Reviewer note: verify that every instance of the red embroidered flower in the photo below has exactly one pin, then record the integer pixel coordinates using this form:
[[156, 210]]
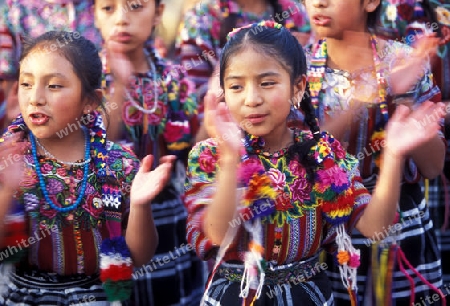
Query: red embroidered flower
[[338, 149], [405, 11], [247, 168], [79, 175], [283, 202], [131, 115], [207, 161], [175, 131], [301, 190]]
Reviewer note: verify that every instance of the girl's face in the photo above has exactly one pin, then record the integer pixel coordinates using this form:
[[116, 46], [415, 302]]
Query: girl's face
[[332, 18], [50, 94], [129, 23], [258, 92]]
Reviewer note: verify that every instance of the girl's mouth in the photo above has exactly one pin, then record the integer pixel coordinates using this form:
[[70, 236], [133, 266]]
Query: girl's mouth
[[321, 20], [39, 118]]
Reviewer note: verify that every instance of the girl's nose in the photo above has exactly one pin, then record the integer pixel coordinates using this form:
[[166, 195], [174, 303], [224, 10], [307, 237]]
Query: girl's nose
[[122, 15], [253, 97], [37, 96]]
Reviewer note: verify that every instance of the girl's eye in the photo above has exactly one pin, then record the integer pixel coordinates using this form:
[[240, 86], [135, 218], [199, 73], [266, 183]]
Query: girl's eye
[[107, 8], [136, 6], [267, 84], [235, 87], [25, 85], [55, 86]]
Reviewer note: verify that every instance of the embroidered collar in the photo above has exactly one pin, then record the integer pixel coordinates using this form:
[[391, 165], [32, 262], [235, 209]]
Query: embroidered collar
[[255, 145]]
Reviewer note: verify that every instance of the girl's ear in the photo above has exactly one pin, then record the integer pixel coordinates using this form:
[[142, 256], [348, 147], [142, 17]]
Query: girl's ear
[[92, 104], [372, 5], [299, 90], [158, 14]]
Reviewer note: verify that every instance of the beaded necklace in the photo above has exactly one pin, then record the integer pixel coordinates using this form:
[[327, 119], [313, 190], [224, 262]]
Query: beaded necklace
[[317, 73], [41, 177]]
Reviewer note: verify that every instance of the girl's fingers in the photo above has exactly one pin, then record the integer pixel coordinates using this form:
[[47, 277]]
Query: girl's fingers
[[400, 113], [147, 163]]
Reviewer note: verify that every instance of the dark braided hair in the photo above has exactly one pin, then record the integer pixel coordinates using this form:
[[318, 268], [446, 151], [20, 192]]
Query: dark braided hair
[[430, 15], [230, 22], [282, 46]]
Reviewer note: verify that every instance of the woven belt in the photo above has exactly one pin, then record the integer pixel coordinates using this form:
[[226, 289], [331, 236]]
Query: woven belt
[[40, 280], [293, 272]]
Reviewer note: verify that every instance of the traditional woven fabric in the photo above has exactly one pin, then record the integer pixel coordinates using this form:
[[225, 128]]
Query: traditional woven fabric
[[169, 130], [199, 41], [303, 223]]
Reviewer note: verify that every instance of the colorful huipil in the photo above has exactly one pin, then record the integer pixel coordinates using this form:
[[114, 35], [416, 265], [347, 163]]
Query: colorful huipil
[[333, 90], [199, 42], [297, 219], [166, 130], [75, 223]]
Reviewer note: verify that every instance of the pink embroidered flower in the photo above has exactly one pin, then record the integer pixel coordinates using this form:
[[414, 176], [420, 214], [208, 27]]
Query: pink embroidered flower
[[247, 168], [278, 178], [93, 206], [297, 169], [46, 168], [176, 130], [338, 149], [79, 175], [61, 172], [207, 160], [301, 190]]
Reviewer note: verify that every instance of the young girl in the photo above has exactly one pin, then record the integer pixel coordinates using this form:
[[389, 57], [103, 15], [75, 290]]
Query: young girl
[[152, 106], [206, 26], [275, 203], [352, 65], [69, 220], [22, 18]]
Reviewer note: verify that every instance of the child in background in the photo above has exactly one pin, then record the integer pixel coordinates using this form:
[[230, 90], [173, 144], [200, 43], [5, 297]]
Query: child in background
[[206, 26], [407, 21], [68, 219], [298, 192], [31, 18], [152, 106], [357, 80]]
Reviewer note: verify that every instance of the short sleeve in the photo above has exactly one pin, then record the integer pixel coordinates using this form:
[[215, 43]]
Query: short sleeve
[[344, 195], [200, 189], [124, 163]]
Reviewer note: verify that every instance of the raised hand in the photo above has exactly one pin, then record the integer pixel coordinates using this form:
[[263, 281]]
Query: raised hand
[[407, 130], [147, 184], [12, 165], [409, 69]]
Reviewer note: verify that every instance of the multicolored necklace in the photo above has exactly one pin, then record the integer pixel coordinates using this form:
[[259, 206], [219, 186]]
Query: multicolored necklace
[[317, 70], [41, 177], [255, 145], [316, 76]]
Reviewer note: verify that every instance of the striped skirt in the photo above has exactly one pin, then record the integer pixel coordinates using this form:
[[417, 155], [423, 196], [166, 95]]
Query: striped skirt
[[417, 240], [313, 292], [42, 289], [175, 275]]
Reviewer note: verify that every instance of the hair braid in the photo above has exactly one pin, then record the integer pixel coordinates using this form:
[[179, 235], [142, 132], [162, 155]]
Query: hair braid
[[310, 114]]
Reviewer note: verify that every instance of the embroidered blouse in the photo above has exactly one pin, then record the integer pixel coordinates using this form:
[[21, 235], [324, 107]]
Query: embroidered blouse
[[20, 18], [173, 120], [300, 226], [339, 87], [199, 41], [68, 243]]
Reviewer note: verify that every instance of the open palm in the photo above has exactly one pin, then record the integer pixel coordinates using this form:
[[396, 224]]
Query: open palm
[[408, 130], [12, 166], [147, 184]]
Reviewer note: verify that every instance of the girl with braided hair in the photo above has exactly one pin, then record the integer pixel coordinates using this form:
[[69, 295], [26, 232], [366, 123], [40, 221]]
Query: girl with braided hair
[[206, 26], [151, 108], [267, 199]]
